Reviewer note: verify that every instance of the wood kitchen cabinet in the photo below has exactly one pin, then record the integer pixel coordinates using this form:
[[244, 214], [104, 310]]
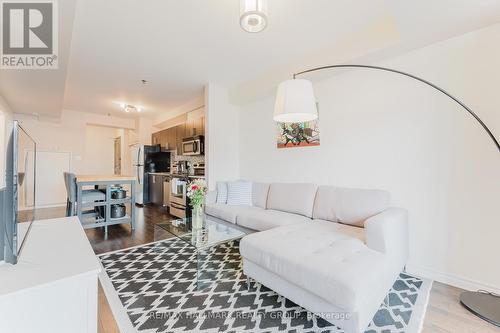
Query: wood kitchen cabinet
[[195, 126], [180, 134], [171, 138], [199, 126], [158, 138], [189, 127], [155, 138], [163, 139]]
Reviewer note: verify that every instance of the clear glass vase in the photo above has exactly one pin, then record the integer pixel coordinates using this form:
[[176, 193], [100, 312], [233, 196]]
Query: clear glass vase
[[197, 217]]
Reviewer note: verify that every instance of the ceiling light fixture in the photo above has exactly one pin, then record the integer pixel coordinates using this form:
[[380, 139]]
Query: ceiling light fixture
[[130, 108], [253, 15]]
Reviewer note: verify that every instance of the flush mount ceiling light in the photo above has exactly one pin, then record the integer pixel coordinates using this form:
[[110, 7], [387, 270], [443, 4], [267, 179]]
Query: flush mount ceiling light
[[253, 15], [130, 108]]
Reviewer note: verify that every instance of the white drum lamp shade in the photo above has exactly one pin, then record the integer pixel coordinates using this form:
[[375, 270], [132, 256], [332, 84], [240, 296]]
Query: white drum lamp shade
[[295, 102], [253, 15]]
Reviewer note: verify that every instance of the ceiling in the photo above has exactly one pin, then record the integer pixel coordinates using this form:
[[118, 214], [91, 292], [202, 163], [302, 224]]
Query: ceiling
[[180, 45]]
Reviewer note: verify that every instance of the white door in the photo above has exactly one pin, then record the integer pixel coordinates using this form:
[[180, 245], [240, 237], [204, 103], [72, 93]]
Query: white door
[[49, 186]]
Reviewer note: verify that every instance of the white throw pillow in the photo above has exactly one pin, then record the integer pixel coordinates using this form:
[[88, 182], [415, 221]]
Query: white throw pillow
[[239, 193], [221, 192], [259, 194]]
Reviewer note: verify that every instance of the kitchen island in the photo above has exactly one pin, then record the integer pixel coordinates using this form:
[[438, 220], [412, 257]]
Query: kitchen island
[[90, 219]]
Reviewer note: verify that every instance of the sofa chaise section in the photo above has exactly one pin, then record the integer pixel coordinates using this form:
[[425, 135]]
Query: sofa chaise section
[[321, 269]]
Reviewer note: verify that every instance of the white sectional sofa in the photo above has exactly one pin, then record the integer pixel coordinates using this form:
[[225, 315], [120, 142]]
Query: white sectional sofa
[[334, 251]]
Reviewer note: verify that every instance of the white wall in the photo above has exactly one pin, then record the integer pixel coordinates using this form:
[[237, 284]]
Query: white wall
[[99, 150], [126, 165], [380, 130], [221, 135], [80, 133], [91, 146], [144, 129]]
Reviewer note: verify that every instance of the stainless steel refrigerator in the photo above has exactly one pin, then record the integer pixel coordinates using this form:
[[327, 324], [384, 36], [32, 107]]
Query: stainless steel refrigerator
[[146, 159]]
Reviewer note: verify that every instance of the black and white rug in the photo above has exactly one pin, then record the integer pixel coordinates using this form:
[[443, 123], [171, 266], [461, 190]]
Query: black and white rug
[[152, 288]]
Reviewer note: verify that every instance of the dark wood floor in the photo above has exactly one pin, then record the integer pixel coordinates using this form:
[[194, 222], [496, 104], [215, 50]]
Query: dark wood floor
[[121, 236]]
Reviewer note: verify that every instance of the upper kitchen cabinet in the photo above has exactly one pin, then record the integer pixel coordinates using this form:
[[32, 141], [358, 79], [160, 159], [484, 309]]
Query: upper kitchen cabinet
[[195, 126], [163, 139], [199, 126], [180, 134], [189, 127], [172, 138], [159, 138], [155, 138]]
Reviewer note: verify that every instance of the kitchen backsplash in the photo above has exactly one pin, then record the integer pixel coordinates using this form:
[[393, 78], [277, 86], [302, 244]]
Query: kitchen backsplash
[[192, 159]]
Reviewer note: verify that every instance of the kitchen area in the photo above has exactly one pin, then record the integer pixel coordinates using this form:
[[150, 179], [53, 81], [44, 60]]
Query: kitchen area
[[165, 168]]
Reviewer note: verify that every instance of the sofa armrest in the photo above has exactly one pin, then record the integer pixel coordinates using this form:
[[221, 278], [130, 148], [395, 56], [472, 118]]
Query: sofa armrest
[[387, 232], [210, 197]]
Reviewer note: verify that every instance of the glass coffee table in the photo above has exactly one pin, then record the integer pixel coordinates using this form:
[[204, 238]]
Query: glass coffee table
[[203, 240]]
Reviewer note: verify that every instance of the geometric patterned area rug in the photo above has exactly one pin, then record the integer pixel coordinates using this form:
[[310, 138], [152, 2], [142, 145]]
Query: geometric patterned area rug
[[152, 288]]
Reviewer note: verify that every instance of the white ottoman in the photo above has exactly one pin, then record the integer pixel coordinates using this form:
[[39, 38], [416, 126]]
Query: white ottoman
[[323, 269]]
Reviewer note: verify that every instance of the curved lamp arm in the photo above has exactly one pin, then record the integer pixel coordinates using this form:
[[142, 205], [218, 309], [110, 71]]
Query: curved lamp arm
[[416, 78]]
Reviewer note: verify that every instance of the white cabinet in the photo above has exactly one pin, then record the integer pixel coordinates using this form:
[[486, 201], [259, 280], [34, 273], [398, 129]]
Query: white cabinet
[[53, 288]]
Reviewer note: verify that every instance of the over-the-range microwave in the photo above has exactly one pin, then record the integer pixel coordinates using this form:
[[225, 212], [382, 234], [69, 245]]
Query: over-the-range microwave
[[194, 145]]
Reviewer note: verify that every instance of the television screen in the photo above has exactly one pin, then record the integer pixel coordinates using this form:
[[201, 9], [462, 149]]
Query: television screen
[[19, 199]]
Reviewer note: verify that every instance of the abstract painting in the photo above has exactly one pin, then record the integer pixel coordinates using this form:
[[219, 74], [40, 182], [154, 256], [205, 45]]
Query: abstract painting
[[293, 135]]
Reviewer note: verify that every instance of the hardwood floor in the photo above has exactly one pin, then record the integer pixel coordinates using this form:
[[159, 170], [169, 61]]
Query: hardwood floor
[[106, 321], [120, 236], [444, 312]]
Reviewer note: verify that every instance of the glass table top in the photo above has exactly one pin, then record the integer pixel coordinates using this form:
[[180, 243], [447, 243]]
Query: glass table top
[[210, 233]]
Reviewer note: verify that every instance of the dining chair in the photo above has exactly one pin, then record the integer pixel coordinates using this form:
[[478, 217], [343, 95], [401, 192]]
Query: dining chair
[[87, 195]]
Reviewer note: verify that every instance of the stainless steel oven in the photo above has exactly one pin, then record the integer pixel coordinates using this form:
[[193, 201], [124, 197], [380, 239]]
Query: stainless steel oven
[[194, 145], [178, 199]]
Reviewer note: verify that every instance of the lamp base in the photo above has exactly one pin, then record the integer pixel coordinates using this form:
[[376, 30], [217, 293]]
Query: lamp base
[[483, 305]]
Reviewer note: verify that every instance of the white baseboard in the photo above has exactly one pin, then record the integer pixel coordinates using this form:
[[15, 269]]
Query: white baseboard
[[42, 207], [450, 279], [51, 206]]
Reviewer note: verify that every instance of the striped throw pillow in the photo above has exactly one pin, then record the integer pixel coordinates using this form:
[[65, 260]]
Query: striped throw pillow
[[239, 193], [221, 192]]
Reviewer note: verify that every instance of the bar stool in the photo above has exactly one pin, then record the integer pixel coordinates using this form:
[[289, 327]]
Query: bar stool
[[87, 195]]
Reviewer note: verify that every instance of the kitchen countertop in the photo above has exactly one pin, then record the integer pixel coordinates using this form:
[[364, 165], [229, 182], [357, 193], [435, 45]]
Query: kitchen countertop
[[103, 178], [175, 175]]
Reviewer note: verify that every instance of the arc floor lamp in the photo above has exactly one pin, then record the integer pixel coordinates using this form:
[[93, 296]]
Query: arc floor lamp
[[295, 102]]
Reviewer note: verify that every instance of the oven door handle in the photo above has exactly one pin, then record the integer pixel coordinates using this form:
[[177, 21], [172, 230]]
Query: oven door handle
[[176, 205]]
